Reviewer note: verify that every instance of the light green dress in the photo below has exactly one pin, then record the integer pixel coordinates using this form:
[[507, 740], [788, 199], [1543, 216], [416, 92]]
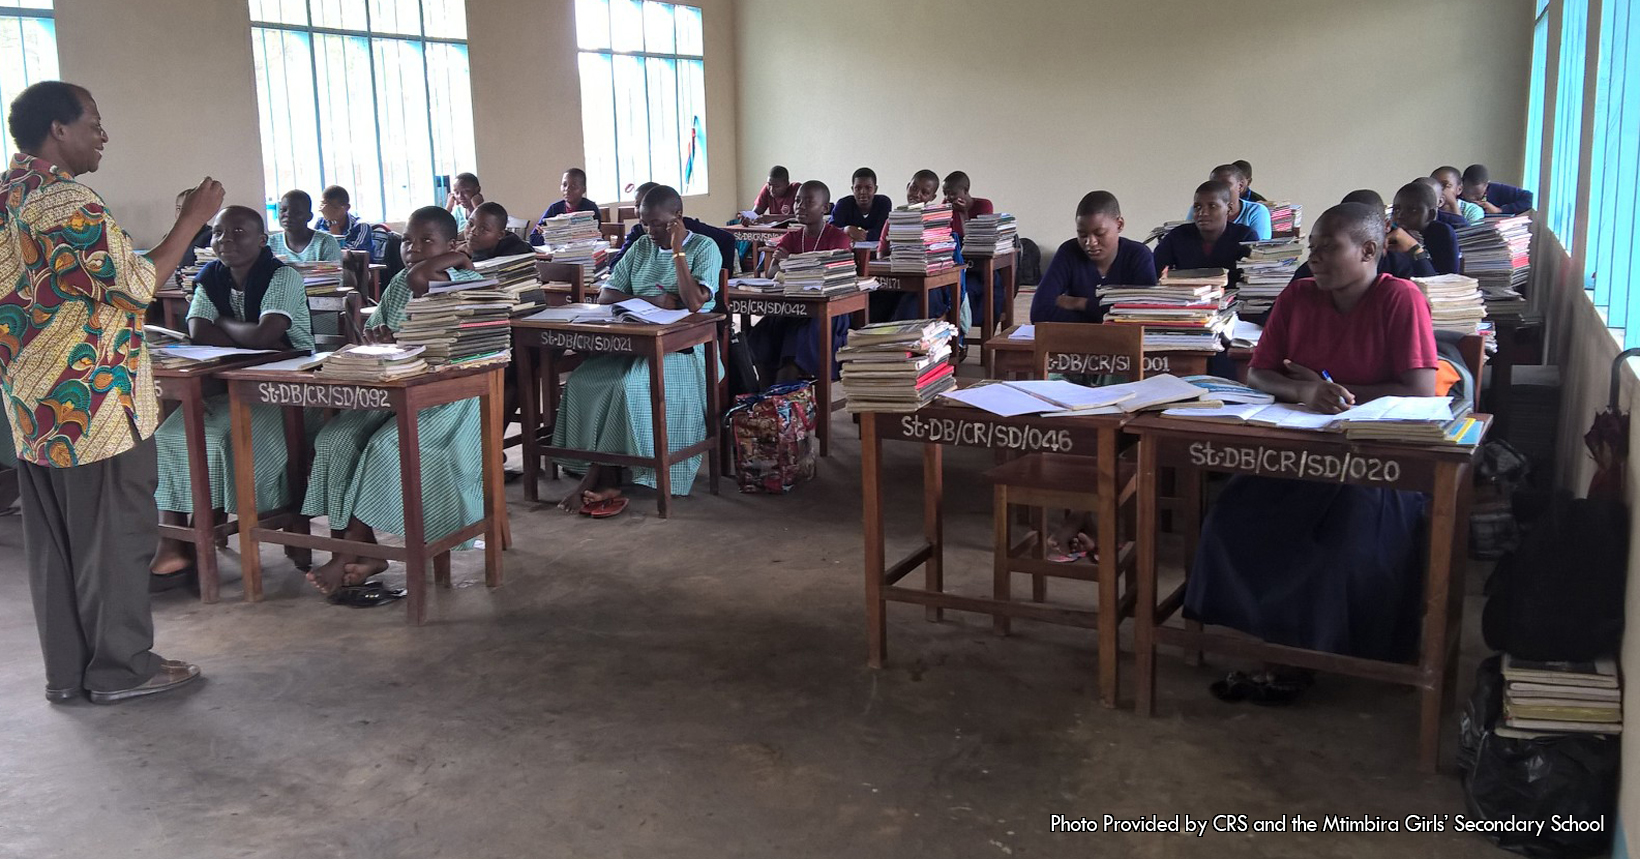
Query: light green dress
[[323, 248], [285, 297], [356, 455], [606, 403]]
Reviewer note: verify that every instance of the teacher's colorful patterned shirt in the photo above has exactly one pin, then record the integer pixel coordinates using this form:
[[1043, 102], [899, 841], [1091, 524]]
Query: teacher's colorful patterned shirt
[[75, 377]]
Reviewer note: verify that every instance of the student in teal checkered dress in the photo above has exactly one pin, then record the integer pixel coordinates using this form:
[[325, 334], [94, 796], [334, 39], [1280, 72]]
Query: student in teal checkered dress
[[300, 242], [248, 299], [606, 403], [355, 478]]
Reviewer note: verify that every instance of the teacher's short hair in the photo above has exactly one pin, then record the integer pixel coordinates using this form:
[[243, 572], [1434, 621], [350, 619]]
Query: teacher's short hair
[[37, 107]]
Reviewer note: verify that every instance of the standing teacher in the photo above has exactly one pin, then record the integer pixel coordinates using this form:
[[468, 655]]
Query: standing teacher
[[79, 392]]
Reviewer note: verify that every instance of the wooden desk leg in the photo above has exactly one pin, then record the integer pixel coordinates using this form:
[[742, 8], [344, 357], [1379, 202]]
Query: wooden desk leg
[[871, 506], [954, 315], [1192, 492], [496, 533], [199, 489], [529, 419], [415, 530], [1010, 290], [988, 323], [441, 568], [934, 524], [1001, 555], [1110, 619], [296, 472], [922, 300], [657, 409], [244, 479], [1144, 607], [825, 368], [1432, 666], [714, 417], [546, 370]]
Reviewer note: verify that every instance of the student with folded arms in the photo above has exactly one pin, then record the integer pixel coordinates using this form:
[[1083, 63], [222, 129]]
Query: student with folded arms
[[1414, 215], [488, 236], [864, 213], [1451, 188], [1210, 240], [1495, 198]]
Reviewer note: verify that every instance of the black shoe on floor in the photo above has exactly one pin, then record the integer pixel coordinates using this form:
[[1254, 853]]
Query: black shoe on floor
[[159, 583], [171, 674], [63, 696]]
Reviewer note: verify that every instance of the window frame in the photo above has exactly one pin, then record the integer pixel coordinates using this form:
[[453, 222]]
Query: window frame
[[8, 11]]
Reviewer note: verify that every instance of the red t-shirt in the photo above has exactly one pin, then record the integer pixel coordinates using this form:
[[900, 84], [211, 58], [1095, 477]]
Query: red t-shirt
[[768, 203], [1386, 334], [976, 206], [831, 239]]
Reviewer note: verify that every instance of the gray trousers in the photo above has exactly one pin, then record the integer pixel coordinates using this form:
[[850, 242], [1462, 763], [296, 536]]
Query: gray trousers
[[88, 536]]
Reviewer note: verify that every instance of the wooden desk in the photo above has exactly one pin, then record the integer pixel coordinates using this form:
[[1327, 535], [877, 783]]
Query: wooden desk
[[1204, 446], [547, 271], [1009, 358], [173, 303], [188, 387], [985, 267], [862, 260], [760, 235], [922, 284], [405, 398], [823, 308], [651, 342], [937, 425]]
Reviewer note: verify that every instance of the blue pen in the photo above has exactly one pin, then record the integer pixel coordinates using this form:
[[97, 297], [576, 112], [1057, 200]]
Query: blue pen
[[1328, 376]]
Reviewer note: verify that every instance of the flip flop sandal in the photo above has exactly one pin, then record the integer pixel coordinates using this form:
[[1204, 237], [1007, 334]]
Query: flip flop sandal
[[605, 508], [159, 583], [1067, 557], [1235, 687], [367, 595], [1278, 689]]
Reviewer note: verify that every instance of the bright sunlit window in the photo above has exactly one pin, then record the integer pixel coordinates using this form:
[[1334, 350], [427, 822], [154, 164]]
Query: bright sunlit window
[[28, 50]]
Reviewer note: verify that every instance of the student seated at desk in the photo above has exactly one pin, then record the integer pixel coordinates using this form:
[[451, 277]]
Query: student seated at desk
[[1097, 256], [337, 219], [1249, 213], [964, 205], [864, 213], [1210, 240], [201, 239], [1452, 201], [1401, 264], [1247, 170], [923, 188], [1451, 219], [299, 242], [776, 200], [355, 477], [465, 196], [783, 346], [248, 299], [488, 236], [722, 238], [573, 187], [1495, 198], [606, 405], [1324, 566], [1414, 216]]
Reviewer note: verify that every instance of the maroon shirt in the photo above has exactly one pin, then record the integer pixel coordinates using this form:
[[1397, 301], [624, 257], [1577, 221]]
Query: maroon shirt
[[769, 204], [976, 206], [1385, 335], [831, 239]]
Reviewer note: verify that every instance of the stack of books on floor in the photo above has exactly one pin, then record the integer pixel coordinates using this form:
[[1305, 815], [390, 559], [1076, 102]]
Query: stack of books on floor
[[1164, 229], [1265, 272], [515, 275], [1285, 217], [461, 324], [1497, 252], [819, 273], [920, 240], [383, 363], [1187, 311], [1543, 699], [320, 278], [989, 235], [897, 366], [1454, 302]]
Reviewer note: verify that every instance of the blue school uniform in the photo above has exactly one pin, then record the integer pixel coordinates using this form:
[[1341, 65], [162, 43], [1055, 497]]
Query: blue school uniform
[[1442, 243], [1182, 248], [561, 208], [722, 238], [1510, 199], [1253, 214], [354, 237], [846, 213], [1072, 272], [1451, 219]]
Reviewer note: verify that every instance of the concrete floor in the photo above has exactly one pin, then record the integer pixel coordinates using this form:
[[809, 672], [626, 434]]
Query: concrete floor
[[692, 687]]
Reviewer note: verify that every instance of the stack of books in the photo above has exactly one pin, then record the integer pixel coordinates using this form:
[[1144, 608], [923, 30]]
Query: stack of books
[[591, 255], [897, 366], [1411, 420], [1544, 699], [1164, 229], [1454, 303], [515, 275], [1265, 272], [1285, 217], [920, 240], [989, 235], [819, 273], [383, 363], [320, 278], [765, 285], [462, 323], [569, 227], [1188, 311], [1497, 252]]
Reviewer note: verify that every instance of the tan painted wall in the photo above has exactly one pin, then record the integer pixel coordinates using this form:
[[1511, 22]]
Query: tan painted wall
[[1041, 101], [175, 83]]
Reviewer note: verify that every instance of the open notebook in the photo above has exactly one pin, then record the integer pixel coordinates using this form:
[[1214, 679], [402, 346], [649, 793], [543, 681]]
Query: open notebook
[[631, 310]]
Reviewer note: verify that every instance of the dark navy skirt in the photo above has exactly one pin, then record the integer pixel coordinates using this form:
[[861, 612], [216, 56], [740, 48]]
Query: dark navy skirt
[[1328, 567]]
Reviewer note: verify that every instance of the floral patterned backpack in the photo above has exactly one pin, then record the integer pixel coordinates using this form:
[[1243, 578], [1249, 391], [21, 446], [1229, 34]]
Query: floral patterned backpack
[[772, 435]]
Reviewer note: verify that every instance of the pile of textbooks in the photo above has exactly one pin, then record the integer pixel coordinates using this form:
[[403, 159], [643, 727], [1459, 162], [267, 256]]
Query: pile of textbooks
[[320, 278], [920, 240], [515, 275], [897, 366], [1497, 252], [1267, 269], [1285, 217], [1548, 698], [383, 363], [569, 227], [1411, 420], [460, 323], [819, 273], [989, 235], [1188, 311], [1454, 303], [1165, 228]]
